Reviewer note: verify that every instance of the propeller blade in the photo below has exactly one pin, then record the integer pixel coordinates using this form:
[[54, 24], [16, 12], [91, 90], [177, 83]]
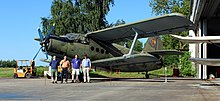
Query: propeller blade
[[45, 52], [46, 55], [40, 34], [50, 32], [37, 53]]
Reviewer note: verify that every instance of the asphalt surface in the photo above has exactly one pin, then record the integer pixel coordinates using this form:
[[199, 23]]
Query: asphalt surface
[[176, 89]]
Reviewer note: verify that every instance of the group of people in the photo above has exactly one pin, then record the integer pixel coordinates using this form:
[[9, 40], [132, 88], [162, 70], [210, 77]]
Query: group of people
[[77, 67]]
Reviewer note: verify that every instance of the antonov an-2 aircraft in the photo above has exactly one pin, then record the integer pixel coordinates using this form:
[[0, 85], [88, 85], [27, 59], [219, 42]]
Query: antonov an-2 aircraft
[[202, 39], [101, 48]]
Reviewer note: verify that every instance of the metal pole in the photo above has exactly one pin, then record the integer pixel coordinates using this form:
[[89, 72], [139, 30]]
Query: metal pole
[[165, 72]]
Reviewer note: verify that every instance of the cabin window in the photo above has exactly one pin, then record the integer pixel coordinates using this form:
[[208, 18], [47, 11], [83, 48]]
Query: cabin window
[[102, 51], [97, 49], [92, 48]]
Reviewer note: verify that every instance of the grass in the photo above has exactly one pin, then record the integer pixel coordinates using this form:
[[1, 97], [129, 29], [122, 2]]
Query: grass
[[118, 75], [8, 73], [155, 73]]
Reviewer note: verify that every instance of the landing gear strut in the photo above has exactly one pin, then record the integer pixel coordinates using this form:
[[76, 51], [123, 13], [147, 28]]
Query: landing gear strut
[[146, 75]]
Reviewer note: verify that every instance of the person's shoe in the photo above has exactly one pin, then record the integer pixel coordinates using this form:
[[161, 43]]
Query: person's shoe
[[72, 81], [55, 82]]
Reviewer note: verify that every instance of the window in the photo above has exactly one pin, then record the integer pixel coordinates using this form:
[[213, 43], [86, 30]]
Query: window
[[92, 48], [102, 51], [97, 49]]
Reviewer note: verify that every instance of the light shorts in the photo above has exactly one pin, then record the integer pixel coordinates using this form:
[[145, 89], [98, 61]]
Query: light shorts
[[53, 72], [75, 71]]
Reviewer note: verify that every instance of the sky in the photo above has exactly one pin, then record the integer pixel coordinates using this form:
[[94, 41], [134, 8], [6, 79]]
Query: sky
[[19, 21]]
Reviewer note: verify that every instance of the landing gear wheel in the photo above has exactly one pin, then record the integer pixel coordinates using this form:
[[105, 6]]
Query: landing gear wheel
[[146, 76], [28, 75]]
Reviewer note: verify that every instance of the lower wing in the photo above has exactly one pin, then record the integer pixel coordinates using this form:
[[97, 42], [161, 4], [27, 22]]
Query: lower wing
[[126, 60], [205, 61]]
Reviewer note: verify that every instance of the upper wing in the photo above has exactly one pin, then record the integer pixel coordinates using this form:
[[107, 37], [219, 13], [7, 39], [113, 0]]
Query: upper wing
[[165, 24], [206, 39], [125, 60], [205, 61]]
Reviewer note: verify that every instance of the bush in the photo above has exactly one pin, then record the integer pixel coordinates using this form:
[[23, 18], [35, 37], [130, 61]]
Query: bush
[[40, 70], [186, 65]]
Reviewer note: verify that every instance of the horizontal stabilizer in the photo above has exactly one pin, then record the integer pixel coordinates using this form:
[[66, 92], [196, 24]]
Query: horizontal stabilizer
[[204, 39], [37, 39], [206, 61], [166, 52], [45, 60]]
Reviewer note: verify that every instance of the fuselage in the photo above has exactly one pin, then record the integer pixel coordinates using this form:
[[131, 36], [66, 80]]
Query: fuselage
[[91, 49]]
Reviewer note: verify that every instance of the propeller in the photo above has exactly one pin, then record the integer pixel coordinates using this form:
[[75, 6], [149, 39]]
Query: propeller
[[37, 53], [44, 41]]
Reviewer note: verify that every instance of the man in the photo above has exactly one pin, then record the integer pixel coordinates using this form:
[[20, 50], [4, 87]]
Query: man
[[76, 64], [65, 64], [53, 64], [86, 64]]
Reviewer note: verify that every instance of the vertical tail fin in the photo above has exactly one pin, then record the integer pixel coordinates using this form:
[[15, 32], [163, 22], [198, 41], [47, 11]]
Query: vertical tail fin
[[153, 43]]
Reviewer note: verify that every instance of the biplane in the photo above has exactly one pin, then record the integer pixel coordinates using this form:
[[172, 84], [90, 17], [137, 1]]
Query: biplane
[[100, 46]]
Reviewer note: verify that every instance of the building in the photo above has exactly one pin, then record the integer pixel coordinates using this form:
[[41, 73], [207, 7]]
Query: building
[[205, 14]]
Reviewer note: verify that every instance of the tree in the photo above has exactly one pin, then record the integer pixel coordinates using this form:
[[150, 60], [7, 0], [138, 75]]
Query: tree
[[77, 16], [7, 63], [81, 16], [160, 7]]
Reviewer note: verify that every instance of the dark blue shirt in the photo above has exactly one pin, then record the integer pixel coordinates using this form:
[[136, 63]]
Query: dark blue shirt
[[54, 64], [76, 63]]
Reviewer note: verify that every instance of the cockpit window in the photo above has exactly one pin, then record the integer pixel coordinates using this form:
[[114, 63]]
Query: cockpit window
[[78, 38]]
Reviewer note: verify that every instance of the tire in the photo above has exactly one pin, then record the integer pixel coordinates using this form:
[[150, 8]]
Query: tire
[[48, 77], [28, 75], [15, 76], [147, 76]]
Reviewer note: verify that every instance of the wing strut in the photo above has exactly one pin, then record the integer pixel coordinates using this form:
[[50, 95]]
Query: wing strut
[[133, 43]]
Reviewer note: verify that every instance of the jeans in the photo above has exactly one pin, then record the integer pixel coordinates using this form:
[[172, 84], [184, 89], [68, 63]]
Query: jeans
[[64, 72]]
